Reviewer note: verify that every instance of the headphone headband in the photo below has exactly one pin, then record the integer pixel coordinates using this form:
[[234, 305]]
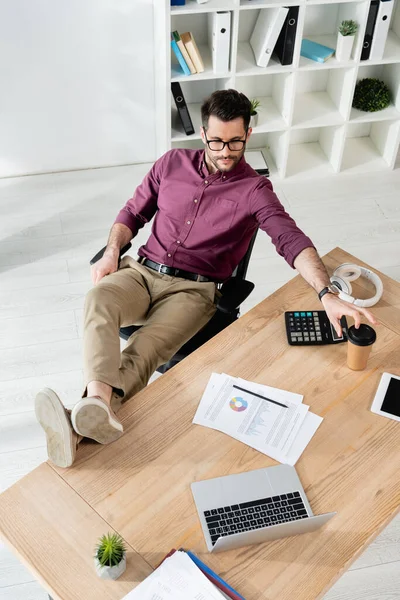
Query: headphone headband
[[344, 274]]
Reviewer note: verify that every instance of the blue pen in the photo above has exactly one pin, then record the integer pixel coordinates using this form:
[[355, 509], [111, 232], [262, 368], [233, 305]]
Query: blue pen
[[206, 569]]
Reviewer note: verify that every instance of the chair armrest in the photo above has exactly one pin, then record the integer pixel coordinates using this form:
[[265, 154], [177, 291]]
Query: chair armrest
[[234, 292], [100, 253]]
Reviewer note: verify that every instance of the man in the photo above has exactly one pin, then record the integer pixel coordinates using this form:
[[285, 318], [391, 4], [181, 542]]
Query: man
[[206, 206]]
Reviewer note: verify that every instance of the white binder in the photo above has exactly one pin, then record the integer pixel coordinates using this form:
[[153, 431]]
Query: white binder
[[266, 32], [220, 40], [381, 29]]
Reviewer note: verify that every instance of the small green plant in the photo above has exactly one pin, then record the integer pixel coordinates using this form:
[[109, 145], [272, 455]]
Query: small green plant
[[371, 95], [110, 550], [254, 105], [348, 27]]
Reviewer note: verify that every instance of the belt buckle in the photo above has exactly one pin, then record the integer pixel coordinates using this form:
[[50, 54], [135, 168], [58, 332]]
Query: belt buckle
[[159, 268]]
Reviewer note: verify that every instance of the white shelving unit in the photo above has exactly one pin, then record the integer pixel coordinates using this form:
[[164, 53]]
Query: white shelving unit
[[306, 121]]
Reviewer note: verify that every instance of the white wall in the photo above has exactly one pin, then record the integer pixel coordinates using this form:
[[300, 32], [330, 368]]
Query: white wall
[[76, 84]]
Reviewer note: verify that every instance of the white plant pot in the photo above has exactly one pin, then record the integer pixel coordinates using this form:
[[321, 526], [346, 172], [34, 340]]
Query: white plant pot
[[110, 572], [254, 120], [344, 47]]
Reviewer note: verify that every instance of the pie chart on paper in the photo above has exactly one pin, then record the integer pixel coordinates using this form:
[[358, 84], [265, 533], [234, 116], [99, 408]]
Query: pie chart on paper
[[238, 404]]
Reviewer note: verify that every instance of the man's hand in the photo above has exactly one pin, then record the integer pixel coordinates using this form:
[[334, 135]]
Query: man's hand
[[107, 264], [336, 308]]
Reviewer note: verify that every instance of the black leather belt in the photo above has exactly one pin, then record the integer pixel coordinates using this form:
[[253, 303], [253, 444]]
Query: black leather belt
[[166, 270]]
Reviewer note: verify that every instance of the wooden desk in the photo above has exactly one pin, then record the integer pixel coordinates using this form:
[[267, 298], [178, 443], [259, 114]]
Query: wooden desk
[[140, 485]]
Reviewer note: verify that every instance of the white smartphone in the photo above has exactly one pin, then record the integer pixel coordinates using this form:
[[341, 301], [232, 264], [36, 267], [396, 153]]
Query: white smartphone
[[387, 397]]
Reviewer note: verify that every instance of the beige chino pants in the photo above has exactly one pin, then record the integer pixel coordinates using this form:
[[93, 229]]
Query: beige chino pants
[[170, 309]]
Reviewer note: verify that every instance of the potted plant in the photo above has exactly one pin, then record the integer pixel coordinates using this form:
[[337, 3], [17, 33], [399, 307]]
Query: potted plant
[[371, 94], [347, 31], [110, 557], [253, 112]]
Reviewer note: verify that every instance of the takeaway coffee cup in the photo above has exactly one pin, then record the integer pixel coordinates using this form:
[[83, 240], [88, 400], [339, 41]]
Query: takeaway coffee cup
[[359, 346]]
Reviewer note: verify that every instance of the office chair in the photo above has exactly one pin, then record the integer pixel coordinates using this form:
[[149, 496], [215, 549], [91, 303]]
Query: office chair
[[233, 292]]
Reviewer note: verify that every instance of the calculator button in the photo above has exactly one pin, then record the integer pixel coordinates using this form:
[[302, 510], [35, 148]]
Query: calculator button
[[303, 314], [296, 314], [315, 314], [309, 314], [319, 338]]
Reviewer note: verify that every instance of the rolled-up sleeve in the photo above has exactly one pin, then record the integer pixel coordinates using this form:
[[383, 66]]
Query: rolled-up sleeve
[[141, 208], [288, 239]]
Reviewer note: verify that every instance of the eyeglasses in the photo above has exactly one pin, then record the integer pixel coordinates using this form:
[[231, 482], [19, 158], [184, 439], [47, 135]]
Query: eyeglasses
[[218, 145]]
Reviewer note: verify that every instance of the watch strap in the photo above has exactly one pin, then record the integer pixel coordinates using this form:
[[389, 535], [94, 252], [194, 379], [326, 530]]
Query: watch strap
[[324, 291]]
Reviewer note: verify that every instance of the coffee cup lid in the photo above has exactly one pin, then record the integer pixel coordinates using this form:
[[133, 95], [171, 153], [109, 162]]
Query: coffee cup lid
[[363, 336]]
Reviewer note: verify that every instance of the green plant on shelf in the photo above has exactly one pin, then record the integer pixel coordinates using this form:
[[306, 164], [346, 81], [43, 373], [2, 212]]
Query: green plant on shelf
[[348, 28], [371, 95], [254, 105], [110, 550]]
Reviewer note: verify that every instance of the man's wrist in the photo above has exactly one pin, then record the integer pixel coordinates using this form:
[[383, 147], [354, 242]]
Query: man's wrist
[[328, 289], [112, 252]]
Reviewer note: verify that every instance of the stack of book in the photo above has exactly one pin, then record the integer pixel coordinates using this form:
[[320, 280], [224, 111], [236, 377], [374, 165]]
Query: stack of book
[[182, 576], [187, 52]]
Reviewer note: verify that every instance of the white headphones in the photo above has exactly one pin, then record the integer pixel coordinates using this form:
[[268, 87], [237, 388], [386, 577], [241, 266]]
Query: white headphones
[[347, 272]]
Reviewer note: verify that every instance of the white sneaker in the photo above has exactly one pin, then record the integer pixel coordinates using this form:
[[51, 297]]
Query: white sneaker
[[92, 418], [62, 440]]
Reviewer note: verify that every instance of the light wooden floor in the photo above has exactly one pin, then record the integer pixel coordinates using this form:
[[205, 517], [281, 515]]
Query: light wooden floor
[[50, 226]]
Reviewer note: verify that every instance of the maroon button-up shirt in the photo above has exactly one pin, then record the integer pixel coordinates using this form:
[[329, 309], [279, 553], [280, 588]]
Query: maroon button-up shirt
[[204, 222]]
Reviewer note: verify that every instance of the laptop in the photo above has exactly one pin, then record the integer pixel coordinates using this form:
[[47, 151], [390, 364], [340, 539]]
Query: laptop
[[254, 507]]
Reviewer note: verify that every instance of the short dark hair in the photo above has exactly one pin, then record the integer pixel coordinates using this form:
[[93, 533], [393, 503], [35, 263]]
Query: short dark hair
[[226, 105]]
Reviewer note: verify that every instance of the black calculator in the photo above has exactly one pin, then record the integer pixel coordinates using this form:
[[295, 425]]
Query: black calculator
[[312, 328]]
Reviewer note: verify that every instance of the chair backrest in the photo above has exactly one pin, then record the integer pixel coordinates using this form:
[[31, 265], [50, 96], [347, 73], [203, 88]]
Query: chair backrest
[[241, 270]]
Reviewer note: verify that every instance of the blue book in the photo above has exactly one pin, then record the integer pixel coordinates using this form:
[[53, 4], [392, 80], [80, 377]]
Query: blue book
[[315, 51], [178, 2], [227, 589], [179, 56]]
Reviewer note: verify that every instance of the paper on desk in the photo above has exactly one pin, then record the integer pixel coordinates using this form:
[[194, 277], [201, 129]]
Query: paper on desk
[[177, 578], [260, 423]]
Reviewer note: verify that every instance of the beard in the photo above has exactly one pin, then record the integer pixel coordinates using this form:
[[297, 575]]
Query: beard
[[217, 161]]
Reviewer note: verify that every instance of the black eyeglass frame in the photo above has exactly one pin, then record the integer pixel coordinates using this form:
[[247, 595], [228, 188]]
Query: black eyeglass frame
[[208, 142]]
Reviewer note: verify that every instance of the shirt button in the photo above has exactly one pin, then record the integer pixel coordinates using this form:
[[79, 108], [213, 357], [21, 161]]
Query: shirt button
[[169, 255], [223, 177], [195, 200], [177, 241], [188, 222], [206, 182]]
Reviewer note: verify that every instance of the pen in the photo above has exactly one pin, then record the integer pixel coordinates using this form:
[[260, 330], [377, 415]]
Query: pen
[[258, 396]]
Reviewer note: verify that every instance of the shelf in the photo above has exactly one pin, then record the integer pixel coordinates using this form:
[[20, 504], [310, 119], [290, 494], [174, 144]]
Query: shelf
[[370, 146], [306, 123], [322, 97], [360, 116], [318, 150], [191, 7], [332, 62], [208, 73], [253, 4]]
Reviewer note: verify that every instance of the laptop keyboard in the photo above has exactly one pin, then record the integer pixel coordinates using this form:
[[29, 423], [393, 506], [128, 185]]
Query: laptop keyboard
[[257, 514]]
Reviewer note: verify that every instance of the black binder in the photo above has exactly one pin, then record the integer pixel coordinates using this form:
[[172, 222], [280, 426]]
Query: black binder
[[369, 30], [284, 46], [183, 111]]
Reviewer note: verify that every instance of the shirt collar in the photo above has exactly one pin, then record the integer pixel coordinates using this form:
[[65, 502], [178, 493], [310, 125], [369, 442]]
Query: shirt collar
[[240, 168]]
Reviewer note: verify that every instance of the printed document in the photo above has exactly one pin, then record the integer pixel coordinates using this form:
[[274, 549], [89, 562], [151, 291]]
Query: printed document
[[177, 578], [271, 420]]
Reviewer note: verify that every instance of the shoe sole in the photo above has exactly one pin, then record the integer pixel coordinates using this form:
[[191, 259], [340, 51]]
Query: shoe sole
[[91, 418], [54, 419]]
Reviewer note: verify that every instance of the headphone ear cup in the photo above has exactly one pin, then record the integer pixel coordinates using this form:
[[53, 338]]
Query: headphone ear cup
[[348, 272], [344, 286]]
